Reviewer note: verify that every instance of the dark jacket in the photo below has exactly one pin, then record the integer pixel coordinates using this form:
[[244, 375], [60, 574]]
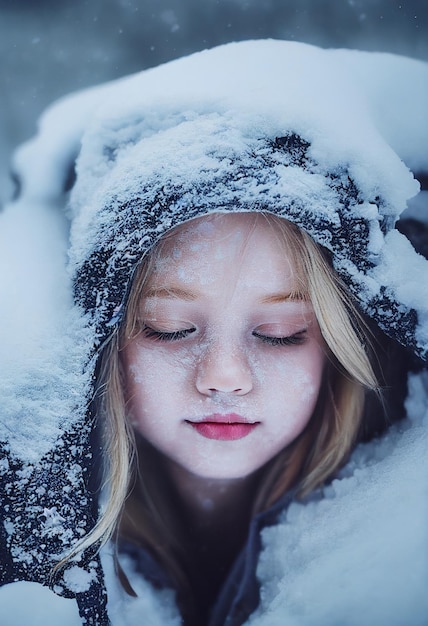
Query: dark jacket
[[239, 595]]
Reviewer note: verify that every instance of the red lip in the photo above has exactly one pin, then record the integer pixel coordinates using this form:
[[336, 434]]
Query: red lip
[[224, 427]]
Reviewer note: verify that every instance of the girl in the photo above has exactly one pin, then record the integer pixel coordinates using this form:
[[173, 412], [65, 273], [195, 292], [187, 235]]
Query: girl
[[257, 401], [232, 261]]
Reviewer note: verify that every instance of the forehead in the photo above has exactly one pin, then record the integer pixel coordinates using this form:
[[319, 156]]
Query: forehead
[[229, 247], [219, 233]]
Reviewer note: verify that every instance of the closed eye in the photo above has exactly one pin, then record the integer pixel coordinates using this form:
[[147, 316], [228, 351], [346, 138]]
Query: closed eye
[[161, 335], [291, 340]]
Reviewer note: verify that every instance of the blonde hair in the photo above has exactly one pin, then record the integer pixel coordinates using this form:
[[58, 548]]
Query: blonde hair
[[306, 464]]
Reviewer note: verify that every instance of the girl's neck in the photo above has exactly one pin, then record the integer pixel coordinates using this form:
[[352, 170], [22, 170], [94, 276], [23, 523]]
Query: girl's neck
[[215, 516], [208, 503]]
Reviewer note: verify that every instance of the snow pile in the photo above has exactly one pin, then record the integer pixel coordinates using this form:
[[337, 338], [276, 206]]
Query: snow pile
[[396, 89], [360, 554], [267, 86], [47, 396], [25, 603], [156, 607], [42, 342]]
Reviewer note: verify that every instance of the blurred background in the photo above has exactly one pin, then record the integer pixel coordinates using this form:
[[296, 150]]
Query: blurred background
[[49, 48]]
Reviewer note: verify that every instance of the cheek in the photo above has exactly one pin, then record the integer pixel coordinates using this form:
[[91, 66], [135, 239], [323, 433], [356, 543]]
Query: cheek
[[293, 382], [155, 381], [305, 379], [147, 368]]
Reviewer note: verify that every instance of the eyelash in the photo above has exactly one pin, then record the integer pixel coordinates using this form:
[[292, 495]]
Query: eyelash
[[159, 335], [291, 340]]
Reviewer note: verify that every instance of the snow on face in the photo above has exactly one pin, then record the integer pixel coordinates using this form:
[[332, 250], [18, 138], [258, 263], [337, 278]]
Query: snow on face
[[223, 340]]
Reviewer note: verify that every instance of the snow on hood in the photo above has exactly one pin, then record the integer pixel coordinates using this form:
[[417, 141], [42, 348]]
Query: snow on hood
[[155, 149], [275, 127]]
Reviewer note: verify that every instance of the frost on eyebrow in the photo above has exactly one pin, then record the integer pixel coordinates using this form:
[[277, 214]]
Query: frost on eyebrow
[[171, 292], [293, 296]]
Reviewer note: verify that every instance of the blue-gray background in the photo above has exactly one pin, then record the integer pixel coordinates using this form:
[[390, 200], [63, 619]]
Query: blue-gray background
[[51, 47]]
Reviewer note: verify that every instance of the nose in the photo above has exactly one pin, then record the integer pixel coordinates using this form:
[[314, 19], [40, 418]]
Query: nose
[[224, 369]]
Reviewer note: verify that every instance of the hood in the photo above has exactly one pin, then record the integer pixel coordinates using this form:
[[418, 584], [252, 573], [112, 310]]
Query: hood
[[256, 126], [249, 140]]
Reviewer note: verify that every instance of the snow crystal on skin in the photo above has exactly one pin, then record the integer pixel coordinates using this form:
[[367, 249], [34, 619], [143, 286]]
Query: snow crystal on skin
[[355, 556], [137, 375]]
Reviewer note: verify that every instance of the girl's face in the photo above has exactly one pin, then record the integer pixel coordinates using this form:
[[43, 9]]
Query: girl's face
[[227, 368]]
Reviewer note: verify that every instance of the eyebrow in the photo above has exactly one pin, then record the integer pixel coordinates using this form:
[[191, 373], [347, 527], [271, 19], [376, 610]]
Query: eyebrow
[[171, 292], [293, 296]]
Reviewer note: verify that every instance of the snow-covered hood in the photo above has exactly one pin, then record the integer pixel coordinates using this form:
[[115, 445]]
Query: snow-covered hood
[[266, 125], [165, 151]]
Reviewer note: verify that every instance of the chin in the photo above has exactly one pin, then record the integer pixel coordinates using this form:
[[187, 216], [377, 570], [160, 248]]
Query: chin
[[224, 472]]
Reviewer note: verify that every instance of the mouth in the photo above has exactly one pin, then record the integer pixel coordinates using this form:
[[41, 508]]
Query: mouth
[[223, 427]]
